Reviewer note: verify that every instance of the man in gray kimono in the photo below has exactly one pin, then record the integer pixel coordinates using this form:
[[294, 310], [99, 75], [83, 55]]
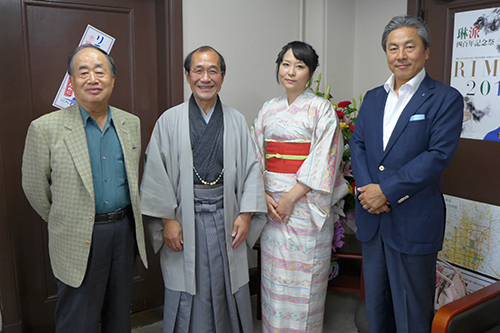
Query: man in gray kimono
[[203, 199]]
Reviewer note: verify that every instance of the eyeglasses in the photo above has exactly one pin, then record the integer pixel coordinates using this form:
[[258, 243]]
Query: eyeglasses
[[212, 72]]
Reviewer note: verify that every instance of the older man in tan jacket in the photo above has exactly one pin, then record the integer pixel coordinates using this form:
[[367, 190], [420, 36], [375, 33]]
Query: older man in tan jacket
[[80, 173]]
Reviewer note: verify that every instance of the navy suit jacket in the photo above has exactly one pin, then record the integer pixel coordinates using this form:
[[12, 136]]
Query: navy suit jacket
[[409, 169]]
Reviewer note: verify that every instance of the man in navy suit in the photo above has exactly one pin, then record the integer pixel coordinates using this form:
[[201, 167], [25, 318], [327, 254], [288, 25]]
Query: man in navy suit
[[406, 134]]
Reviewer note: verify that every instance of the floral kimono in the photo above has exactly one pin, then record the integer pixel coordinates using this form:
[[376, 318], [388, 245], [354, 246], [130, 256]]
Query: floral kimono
[[296, 256]]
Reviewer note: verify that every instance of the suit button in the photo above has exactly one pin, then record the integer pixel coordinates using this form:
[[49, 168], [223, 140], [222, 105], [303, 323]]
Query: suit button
[[381, 168], [91, 218], [87, 242]]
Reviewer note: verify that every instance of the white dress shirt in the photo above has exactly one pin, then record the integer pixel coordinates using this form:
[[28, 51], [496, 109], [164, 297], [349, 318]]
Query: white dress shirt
[[395, 104]]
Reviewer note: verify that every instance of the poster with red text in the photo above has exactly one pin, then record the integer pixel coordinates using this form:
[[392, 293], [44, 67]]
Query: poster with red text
[[475, 71], [96, 37]]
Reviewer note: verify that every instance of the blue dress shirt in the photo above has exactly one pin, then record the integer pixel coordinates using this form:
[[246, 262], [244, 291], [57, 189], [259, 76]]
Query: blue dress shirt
[[108, 166]]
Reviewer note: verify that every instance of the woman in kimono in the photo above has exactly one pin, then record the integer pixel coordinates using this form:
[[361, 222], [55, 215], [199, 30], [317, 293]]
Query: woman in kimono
[[299, 144]]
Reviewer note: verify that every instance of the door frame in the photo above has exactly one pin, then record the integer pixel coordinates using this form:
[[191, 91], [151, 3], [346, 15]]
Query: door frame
[[169, 37]]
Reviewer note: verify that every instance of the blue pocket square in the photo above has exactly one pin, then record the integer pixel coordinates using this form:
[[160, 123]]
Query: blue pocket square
[[417, 117]]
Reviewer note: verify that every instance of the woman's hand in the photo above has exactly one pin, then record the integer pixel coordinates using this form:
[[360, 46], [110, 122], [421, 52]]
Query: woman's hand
[[285, 208], [271, 209], [286, 203], [172, 234]]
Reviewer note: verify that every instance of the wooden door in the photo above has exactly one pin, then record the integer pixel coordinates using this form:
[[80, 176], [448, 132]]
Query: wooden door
[[472, 173], [36, 37]]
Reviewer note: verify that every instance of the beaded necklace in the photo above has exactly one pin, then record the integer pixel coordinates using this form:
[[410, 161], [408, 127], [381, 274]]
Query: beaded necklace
[[205, 182]]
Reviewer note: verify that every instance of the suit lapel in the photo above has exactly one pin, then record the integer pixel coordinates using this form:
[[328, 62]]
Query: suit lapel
[[378, 119], [76, 141], [424, 91]]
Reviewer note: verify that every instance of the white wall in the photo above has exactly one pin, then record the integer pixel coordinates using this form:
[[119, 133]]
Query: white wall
[[370, 69], [339, 61], [329, 27], [249, 34], [347, 36]]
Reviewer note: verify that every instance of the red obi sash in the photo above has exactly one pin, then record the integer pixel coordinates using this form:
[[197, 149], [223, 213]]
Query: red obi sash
[[286, 157]]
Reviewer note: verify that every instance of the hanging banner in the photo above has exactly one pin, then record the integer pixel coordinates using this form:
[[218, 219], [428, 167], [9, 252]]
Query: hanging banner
[[475, 71], [96, 37]]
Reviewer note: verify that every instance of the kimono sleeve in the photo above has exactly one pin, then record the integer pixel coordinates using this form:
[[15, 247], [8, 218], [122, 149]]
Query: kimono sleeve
[[158, 198], [257, 132], [253, 195], [320, 169]]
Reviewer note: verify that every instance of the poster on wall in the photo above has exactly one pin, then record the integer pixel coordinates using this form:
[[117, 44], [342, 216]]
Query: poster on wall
[[475, 71], [96, 37], [472, 236]]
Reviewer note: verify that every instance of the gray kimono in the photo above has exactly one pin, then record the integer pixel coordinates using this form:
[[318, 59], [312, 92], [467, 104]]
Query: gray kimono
[[167, 192]]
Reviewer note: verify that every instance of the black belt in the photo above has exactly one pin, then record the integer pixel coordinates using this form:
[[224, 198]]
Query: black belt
[[113, 216]]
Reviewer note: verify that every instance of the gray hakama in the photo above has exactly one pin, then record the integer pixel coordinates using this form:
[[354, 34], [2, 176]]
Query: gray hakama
[[214, 308]]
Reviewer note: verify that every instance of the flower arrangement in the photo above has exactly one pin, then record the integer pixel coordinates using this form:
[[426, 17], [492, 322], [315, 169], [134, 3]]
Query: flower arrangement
[[347, 112]]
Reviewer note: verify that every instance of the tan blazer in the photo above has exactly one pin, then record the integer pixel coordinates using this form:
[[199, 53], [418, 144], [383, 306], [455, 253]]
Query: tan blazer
[[57, 180]]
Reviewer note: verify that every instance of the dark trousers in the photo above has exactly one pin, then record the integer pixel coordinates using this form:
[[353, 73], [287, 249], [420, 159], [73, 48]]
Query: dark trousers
[[106, 292], [399, 288]]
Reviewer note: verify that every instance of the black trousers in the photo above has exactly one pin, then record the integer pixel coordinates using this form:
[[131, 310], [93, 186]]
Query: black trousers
[[106, 292]]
